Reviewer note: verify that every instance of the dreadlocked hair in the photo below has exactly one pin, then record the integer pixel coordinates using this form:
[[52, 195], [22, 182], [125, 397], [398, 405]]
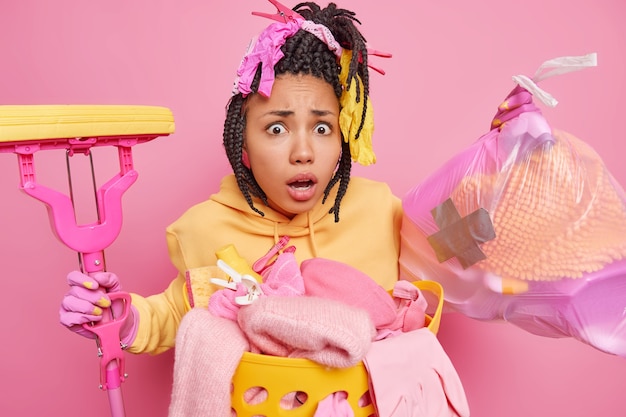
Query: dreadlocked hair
[[234, 126], [305, 54]]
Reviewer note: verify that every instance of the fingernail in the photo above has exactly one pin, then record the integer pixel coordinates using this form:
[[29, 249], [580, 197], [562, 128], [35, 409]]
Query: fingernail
[[88, 284], [103, 302], [97, 311]]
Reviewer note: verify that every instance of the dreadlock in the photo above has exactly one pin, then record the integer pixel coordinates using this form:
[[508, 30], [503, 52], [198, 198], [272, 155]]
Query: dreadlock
[[305, 54]]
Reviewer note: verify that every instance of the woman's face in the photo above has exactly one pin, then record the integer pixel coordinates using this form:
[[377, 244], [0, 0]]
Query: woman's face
[[293, 141]]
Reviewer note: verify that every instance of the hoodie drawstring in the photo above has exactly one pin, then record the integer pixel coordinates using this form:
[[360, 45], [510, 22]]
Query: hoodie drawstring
[[311, 234], [280, 242]]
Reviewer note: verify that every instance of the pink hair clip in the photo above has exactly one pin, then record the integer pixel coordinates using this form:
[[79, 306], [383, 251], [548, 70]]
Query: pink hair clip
[[374, 52], [283, 13], [265, 49]]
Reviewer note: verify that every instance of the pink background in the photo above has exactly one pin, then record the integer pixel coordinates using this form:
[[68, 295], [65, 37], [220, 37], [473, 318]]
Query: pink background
[[452, 66]]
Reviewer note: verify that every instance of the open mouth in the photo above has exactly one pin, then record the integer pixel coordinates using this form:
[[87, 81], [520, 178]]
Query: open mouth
[[301, 185]]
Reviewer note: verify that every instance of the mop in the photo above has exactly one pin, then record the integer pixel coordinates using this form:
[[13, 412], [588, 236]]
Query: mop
[[28, 129]]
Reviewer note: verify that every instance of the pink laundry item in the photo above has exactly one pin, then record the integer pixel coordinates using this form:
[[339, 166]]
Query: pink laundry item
[[337, 281], [263, 265], [257, 395], [411, 305], [282, 278], [412, 376], [222, 302], [265, 51], [411, 310], [208, 351], [334, 405], [325, 331]]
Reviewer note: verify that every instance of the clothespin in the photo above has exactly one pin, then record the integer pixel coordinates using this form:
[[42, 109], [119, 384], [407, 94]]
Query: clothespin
[[374, 52], [254, 291], [378, 53], [253, 287], [233, 276], [263, 262], [283, 13]]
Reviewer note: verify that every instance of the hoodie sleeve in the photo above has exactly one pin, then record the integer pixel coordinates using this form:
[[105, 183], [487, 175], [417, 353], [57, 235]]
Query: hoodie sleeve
[[191, 242], [159, 317]]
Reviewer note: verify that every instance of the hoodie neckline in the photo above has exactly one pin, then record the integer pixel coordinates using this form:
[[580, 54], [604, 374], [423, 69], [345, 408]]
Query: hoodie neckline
[[302, 224]]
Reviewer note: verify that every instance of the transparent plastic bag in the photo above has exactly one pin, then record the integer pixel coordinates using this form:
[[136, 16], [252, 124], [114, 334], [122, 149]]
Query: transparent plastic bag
[[525, 225]]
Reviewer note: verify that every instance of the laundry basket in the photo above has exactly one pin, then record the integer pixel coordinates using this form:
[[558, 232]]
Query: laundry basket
[[279, 376]]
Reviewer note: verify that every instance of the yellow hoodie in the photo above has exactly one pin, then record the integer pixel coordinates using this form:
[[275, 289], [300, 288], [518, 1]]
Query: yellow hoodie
[[367, 237]]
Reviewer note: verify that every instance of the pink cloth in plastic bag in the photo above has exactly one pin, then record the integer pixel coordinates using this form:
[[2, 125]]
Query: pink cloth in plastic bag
[[526, 225]]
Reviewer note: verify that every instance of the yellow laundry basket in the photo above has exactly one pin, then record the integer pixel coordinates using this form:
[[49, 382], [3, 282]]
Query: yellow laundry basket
[[280, 377]]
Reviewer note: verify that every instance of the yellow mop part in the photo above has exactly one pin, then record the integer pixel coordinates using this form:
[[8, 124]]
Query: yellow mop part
[[43, 122]]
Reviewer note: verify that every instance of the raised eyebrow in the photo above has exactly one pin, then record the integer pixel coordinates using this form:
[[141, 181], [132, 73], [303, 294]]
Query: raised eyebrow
[[322, 113], [285, 113], [280, 113]]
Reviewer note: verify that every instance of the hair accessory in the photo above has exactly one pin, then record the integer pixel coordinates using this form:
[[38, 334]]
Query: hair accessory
[[352, 108], [356, 118], [324, 34], [265, 49], [374, 52], [283, 13]]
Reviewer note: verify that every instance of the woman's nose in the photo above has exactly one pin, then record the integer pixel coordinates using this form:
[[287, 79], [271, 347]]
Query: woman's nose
[[302, 152]]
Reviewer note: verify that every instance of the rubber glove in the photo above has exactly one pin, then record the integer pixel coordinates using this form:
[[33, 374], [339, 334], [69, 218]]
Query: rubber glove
[[87, 300]]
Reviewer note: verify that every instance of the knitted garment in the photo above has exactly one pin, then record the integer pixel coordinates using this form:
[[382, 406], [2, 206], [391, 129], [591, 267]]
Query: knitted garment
[[208, 351], [557, 213], [325, 331]]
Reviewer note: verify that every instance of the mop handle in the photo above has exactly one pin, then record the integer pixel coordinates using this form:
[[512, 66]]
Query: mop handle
[[110, 348], [89, 239], [112, 368], [26, 130]]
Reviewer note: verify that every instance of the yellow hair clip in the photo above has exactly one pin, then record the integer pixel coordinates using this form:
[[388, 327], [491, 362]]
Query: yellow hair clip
[[351, 114]]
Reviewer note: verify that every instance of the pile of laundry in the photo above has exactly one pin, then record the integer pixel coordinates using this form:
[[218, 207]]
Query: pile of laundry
[[324, 311]]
